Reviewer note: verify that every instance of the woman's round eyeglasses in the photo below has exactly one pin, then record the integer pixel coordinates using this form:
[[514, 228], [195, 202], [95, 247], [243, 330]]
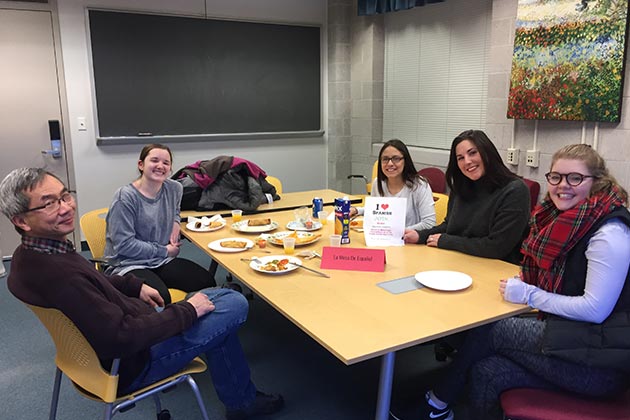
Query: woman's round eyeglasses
[[573, 178], [395, 159], [52, 205]]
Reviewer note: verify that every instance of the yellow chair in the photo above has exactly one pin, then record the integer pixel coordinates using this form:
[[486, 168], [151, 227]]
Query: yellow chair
[[78, 361], [441, 204], [94, 226], [275, 182]]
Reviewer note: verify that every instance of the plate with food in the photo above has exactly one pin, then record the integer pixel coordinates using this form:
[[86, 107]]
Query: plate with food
[[356, 224], [275, 264], [308, 226], [231, 245], [201, 226], [301, 238], [255, 225], [444, 280]]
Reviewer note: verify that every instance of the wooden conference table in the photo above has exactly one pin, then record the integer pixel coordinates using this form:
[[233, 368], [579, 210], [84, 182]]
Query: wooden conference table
[[287, 201], [356, 320]]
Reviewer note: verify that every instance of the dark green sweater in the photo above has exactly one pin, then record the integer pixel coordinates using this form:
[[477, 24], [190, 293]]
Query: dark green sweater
[[492, 224]]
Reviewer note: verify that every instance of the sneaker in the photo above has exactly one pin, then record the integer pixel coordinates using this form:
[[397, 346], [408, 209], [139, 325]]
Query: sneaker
[[263, 404], [424, 412]]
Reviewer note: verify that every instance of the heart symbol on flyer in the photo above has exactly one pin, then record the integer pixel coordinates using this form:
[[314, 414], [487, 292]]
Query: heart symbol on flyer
[[384, 206]]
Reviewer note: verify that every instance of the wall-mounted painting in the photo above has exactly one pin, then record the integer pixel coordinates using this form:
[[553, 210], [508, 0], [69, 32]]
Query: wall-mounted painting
[[568, 61]]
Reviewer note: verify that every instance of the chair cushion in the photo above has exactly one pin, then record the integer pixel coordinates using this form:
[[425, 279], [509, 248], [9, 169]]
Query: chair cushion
[[538, 404]]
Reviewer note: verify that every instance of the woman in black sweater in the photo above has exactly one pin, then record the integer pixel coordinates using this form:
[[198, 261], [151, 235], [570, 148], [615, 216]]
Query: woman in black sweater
[[488, 208]]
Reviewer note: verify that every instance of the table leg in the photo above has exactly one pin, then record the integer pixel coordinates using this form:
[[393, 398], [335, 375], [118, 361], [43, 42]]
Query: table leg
[[385, 386]]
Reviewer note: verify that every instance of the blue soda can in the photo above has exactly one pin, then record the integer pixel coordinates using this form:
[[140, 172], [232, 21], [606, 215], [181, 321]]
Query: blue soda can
[[342, 219], [318, 205]]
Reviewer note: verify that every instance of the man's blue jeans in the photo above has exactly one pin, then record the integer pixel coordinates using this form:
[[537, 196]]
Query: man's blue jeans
[[214, 334]]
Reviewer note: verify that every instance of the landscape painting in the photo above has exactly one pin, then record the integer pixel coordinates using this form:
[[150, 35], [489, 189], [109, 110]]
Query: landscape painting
[[568, 61]]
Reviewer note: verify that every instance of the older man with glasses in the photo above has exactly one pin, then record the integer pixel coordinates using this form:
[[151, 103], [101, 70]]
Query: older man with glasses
[[117, 314]]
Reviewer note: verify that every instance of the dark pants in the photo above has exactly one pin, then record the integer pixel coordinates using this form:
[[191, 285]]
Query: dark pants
[[508, 354], [178, 273]]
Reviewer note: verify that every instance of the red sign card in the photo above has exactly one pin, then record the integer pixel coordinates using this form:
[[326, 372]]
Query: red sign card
[[353, 259]]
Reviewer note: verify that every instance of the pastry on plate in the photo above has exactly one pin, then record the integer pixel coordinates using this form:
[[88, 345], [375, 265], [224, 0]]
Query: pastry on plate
[[233, 244], [258, 222]]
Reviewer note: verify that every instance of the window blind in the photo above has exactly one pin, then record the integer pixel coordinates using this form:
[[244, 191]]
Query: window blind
[[436, 72]]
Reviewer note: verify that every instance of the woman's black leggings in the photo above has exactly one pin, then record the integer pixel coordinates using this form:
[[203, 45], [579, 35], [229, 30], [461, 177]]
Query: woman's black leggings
[[179, 273]]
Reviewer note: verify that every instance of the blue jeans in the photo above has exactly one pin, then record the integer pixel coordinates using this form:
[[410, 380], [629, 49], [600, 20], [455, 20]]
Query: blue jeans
[[214, 334]]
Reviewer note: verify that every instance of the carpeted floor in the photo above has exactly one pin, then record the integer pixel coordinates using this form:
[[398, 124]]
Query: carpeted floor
[[283, 359]]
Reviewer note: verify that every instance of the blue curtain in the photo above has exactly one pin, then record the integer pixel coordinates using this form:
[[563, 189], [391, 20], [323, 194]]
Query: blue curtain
[[373, 7]]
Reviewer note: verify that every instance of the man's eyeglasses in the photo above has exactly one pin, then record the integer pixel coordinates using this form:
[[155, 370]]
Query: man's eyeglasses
[[52, 205], [395, 159], [573, 179]]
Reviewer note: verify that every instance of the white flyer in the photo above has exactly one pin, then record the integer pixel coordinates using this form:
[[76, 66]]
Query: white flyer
[[384, 221]]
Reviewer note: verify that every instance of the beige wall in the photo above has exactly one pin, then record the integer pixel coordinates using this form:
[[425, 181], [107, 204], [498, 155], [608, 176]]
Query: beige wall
[[366, 77]]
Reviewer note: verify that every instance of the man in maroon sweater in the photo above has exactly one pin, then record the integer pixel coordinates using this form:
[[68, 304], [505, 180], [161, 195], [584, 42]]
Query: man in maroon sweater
[[117, 314]]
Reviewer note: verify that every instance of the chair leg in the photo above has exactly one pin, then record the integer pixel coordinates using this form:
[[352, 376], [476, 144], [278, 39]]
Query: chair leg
[[158, 403], [108, 411], [195, 389], [55, 395]]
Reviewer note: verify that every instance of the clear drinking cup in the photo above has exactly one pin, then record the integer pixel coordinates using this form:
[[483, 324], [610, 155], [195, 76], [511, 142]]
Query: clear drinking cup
[[237, 215], [322, 216], [335, 240], [289, 245]]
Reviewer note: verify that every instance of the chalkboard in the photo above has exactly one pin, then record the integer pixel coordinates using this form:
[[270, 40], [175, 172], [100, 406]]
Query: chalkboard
[[177, 76]]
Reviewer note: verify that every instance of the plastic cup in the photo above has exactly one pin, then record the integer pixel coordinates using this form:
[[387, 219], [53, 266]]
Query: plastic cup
[[301, 214], [322, 216], [237, 215], [289, 245], [335, 240]]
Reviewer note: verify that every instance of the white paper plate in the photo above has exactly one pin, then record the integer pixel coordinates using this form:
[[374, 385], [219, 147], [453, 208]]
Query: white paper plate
[[444, 280], [242, 226], [295, 262], [305, 238], [299, 226], [191, 226], [216, 245]]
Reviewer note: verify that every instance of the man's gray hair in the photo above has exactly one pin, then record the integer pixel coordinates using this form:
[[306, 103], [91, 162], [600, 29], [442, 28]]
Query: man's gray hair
[[13, 188]]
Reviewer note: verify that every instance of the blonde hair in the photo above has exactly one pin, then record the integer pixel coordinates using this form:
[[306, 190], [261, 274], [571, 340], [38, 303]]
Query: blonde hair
[[603, 180]]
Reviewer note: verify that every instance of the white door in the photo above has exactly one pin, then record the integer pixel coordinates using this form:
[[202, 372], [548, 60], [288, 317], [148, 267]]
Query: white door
[[29, 98]]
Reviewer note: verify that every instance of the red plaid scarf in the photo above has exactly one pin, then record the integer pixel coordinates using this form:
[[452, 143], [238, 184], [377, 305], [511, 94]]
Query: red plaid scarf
[[554, 233]]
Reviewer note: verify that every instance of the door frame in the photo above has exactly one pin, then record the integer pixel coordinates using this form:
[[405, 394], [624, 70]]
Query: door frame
[[51, 6]]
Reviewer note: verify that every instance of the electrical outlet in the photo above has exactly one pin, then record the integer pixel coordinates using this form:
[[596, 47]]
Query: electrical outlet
[[82, 124], [512, 156], [532, 157]]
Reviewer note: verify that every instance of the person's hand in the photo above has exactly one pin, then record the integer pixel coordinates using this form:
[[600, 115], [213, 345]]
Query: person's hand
[[151, 296], [433, 240], [411, 236], [202, 304], [515, 290], [174, 239], [172, 250], [353, 211]]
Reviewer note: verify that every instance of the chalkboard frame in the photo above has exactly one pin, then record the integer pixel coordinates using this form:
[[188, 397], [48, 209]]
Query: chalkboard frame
[[311, 119]]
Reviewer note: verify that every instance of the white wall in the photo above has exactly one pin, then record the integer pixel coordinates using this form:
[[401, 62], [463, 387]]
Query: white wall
[[99, 170]]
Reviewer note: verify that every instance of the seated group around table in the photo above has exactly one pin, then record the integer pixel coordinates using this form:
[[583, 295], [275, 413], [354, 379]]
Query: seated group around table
[[574, 254]]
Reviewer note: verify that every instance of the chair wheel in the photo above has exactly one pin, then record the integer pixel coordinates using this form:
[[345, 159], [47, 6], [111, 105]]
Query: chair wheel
[[164, 415]]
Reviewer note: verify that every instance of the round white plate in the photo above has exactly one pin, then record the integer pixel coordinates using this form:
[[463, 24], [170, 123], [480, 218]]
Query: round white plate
[[293, 225], [358, 224], [191, 226], [309, 238], [444, 280], [242, 226], [216, 245], [264, 260]]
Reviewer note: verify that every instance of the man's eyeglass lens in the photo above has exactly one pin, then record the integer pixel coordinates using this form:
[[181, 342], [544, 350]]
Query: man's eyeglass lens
[[53, 205], [574, 179]]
